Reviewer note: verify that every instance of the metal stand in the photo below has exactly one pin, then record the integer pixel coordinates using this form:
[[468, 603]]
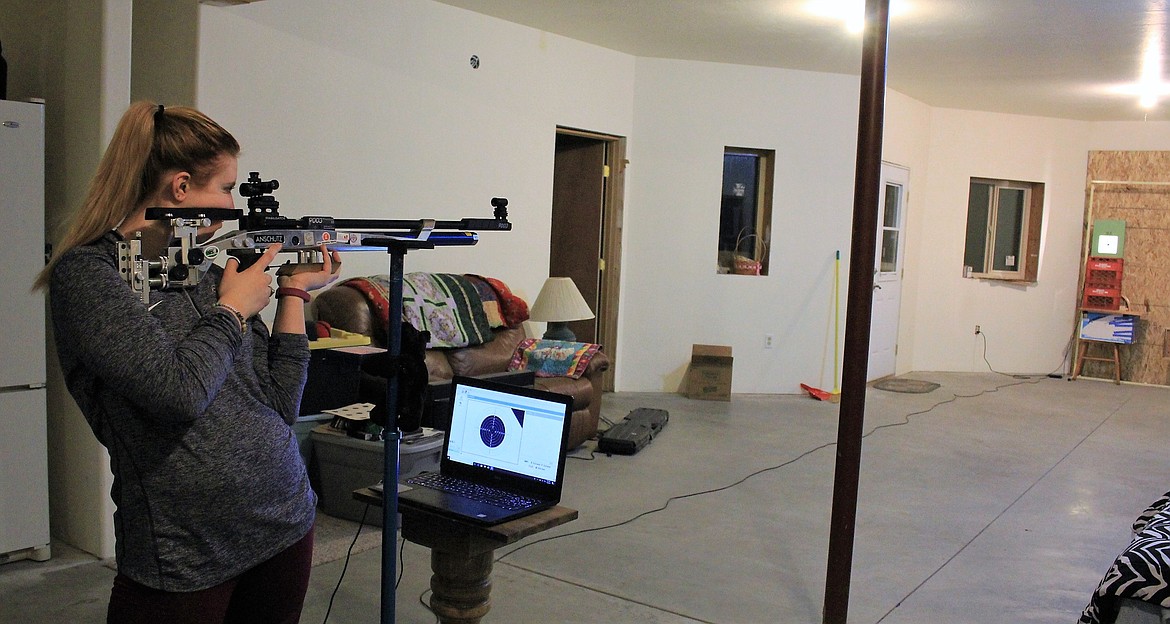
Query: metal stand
[[397, 249]]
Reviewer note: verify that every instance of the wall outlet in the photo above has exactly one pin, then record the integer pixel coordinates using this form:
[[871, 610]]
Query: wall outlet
[[768, 341], [977, 330]]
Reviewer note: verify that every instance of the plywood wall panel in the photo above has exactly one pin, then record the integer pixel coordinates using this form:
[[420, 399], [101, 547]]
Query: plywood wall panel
[[1142, 249], [1138, 216], [1145, 208], [1144, 286], [1146, 365]]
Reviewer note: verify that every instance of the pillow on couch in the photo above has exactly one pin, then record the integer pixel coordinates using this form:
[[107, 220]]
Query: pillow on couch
[[553, 358]]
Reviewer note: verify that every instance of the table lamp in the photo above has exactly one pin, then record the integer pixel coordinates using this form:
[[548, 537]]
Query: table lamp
[[558, 303]]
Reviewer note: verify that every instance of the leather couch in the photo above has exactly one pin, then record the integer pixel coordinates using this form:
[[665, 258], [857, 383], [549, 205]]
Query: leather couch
[[348, 309]]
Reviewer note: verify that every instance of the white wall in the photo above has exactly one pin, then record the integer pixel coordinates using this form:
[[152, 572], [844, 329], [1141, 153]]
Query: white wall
[[685, 114], [87, 86], [1026, 327], [906, 142], [372, 109]]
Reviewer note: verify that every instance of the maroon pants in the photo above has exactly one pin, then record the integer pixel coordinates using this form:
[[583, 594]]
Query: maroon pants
[[271, 593]]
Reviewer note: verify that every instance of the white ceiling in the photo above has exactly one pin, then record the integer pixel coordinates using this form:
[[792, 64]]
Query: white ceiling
[[1053, 58]]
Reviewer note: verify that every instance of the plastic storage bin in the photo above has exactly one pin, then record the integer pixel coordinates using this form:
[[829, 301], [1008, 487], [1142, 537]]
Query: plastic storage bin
[[302, 427], [343, 464]]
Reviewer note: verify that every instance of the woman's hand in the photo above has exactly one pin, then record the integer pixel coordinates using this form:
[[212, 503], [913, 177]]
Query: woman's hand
[[250, 290], [309, 277], [290, 311]]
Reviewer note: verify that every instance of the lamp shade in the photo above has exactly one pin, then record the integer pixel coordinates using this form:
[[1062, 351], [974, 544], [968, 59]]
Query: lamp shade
[[559, 301]]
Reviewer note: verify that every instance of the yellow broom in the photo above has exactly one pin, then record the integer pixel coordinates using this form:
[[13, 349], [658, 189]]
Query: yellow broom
[[835, 395]]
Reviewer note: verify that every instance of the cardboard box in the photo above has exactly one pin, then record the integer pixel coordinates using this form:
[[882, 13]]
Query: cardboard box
[[1117, 328], [709, 375]]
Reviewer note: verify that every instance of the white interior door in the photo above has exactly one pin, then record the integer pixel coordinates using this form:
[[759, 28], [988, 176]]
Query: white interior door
[[887, 282]]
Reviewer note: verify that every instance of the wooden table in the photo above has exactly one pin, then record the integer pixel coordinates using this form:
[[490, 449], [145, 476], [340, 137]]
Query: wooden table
[[462, 553]]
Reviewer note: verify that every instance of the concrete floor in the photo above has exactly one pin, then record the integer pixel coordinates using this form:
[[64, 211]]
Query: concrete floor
[[990, 499]]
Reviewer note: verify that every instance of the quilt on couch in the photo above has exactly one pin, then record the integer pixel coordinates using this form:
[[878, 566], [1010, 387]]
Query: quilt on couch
[[1140, 571], [451, 307]]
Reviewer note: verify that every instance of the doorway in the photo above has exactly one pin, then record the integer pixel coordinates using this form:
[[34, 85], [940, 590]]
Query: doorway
[[585, 242], [887, 272]]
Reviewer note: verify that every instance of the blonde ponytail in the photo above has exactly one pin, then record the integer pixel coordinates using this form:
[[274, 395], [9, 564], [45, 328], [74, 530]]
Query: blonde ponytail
[[150, 140]]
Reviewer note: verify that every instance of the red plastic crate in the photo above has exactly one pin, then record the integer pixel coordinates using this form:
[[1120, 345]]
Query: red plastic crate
[[1111, 264], [1104, 272], [1101, 297]]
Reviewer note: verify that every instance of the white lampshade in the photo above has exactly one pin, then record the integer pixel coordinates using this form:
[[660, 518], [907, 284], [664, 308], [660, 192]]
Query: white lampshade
[[559, 301]]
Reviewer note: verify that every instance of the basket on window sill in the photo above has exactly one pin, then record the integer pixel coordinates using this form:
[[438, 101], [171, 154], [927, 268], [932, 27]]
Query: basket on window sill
[[743, 265]]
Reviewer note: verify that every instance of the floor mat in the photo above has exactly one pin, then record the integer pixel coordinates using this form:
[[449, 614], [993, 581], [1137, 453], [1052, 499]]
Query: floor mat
[[909, 386]]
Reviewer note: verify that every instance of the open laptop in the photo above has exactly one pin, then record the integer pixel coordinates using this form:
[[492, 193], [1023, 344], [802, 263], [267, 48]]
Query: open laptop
[[507, 440]]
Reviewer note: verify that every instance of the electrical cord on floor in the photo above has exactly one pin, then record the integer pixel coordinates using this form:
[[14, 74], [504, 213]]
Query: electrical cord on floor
[[592, 456], [1067, 350], [905, 421], [401, 566], [346, 566], [593, 438], [1001, 513], [667, 503], [427, 606], [348, 553]]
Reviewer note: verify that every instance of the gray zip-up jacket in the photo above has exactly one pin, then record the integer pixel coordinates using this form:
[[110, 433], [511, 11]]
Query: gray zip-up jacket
[[208, 476]]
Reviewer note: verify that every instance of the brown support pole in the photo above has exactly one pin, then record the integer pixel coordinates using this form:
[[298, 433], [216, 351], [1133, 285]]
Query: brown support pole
[[859, 306]]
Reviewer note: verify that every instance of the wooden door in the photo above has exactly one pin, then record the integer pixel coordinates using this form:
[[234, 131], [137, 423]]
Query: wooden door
[[887, 272], [578, 201], [586, 244]]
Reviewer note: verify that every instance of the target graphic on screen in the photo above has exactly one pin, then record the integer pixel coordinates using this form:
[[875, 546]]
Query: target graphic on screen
[[492, 431]]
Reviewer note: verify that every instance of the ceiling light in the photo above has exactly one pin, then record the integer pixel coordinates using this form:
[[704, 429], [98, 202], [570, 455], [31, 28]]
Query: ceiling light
[[851, 12], [1150, 86]]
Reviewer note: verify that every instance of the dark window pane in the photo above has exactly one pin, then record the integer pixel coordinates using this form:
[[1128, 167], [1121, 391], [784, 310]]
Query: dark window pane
[[893, 191], [978, 211], [737, 217]]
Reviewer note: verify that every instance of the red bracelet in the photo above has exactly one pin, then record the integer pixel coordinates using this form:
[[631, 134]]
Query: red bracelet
[[286, 291]]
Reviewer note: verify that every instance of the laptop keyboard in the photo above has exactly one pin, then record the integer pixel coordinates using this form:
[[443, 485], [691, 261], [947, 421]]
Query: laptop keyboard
[[492, 496]]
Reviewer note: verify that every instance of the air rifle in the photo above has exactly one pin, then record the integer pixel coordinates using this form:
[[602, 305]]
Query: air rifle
[[186, 260]]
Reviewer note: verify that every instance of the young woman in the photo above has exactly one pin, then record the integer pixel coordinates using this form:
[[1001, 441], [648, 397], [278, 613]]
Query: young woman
[[191, 394]]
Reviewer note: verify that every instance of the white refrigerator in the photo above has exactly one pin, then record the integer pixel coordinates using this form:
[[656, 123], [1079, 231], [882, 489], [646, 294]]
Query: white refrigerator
[[24, 478]]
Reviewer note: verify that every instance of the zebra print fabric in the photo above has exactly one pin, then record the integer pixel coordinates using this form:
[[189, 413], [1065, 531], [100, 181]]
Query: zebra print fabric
[[1140, 572]]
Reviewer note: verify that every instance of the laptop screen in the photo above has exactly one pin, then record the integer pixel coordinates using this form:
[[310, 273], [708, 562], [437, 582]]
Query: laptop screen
[[515, 431]]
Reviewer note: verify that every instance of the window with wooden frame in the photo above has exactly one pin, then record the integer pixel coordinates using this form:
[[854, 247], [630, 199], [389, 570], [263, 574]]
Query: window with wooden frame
[[745, 212], [1003, 230]]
